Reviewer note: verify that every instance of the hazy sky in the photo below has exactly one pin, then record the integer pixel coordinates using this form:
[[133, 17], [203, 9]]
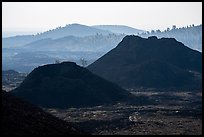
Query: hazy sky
[[29, 16]]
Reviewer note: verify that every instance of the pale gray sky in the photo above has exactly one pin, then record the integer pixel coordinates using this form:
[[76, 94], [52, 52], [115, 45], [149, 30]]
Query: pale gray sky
[[31, 16]]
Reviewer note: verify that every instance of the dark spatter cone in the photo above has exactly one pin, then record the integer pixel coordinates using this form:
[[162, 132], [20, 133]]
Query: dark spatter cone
[[19, 118], [156, 63], [66, 85]]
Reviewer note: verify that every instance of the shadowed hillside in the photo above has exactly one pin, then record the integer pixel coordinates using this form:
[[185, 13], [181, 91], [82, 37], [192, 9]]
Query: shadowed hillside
[[22, 118], [69, 85], [152, 63]]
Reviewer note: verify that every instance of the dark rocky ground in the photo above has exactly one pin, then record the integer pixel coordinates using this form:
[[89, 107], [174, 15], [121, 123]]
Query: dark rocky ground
[[174, 113], [19, 118]]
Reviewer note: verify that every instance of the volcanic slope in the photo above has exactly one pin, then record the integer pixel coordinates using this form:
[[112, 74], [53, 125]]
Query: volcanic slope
[[19, 117], [151, 63], [67, 85]]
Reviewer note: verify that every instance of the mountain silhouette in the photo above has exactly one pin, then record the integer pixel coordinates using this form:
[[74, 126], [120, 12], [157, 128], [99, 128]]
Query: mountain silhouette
[[19, 117], [74, 29], [119, 29], [77, 30], [150, 62], [66, 85]]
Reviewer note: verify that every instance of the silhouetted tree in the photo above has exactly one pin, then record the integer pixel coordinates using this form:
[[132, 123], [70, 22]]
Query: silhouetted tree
[[158, 31], [152, 31], [174, 27]]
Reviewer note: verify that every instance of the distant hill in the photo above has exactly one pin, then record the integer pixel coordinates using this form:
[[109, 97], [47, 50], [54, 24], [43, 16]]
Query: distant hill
[[66, 85], [22, 118], [77, 30], [151, 63], [190, 36], [75, 41], [119, 29], [17, 41], [98, 42], [24, 53], [26, 61]]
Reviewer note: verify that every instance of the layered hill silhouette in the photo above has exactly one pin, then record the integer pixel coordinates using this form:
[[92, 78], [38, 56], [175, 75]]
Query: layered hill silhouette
[[22, 118], [77, 30], [57, 43], [74, 29], [152, 63], [66, 85], [119, 29]]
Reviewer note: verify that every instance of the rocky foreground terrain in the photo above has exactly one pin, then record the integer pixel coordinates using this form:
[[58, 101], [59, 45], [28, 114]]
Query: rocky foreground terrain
[[173, 113], [19, 118]]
